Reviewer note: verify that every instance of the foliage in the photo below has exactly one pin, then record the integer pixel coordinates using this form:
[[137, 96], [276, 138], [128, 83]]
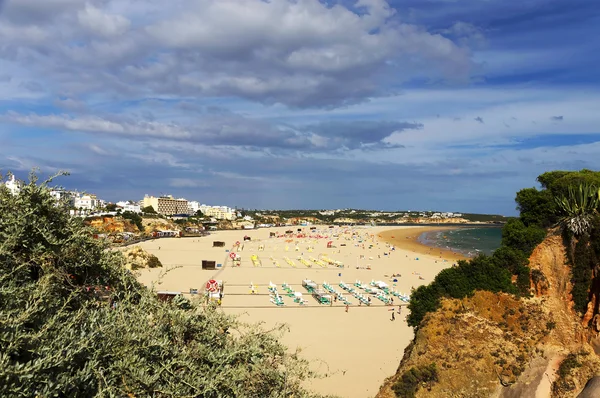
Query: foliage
[[75, 323], [539, 206], [480, 273], [134, 218], [519, 237], [536, 207], [408, 384], [584, 259], [578, 208], [569, 363], [148, 210], [558, 182], [110, 207], [492, 273]]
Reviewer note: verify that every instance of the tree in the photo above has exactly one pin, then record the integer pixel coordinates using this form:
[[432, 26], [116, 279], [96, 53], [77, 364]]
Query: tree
[[135, 218], [149, 210], [578, 208], [110, 207], [75, 323], [199, 214]]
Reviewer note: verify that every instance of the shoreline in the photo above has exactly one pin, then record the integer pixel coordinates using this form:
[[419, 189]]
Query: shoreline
[[408, 239]]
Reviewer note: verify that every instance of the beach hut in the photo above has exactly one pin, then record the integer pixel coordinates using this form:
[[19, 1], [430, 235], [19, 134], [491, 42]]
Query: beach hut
[[217, 243], [209, 264]]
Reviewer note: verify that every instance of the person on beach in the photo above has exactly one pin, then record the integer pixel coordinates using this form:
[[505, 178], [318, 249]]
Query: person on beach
[[393, 316], [347, 306], [399, 310]]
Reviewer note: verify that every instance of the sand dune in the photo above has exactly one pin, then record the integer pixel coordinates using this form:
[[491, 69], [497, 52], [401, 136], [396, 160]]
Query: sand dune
[[357, 349]]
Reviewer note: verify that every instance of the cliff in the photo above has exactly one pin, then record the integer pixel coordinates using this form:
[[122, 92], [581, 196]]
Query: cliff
[[109, 225], [499, 345], [137, 258]]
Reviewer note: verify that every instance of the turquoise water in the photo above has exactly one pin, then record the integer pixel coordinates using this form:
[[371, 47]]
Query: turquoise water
[[468, 241]]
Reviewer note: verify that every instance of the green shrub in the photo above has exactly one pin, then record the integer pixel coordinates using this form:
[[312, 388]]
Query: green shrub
[[134, 218], [408, 384], [568, 364], [517, 236], [480, 273], [75, 323]]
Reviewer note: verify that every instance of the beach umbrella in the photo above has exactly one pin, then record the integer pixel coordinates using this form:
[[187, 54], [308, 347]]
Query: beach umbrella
[[232, 255], [212, 285]]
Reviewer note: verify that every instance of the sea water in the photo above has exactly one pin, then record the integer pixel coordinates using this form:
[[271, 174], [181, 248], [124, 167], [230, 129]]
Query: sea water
[[468, 241]]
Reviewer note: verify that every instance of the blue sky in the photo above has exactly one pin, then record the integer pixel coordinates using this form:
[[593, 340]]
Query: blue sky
[[450, 105]]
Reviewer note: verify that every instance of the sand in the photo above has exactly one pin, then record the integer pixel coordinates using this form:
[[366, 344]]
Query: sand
[[357, 349]]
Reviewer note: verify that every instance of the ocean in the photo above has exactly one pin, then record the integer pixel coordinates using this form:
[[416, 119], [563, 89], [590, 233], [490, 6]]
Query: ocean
[[468, 241]]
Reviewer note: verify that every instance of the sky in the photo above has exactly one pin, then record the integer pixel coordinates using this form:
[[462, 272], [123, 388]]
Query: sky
[[449, 105]]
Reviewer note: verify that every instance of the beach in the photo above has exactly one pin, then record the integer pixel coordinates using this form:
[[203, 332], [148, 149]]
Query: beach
[[355, 350], [408, 239]]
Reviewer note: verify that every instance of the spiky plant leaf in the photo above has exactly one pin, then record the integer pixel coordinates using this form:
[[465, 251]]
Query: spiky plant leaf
[[578, 208]]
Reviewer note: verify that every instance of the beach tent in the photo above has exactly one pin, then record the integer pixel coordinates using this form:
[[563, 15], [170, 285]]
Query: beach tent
[[247, 238], [272, 234], [208, 264], [218, 244]]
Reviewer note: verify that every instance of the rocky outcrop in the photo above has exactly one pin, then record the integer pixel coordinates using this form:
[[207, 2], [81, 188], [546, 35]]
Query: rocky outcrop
[[110, 225], [497, 345], [138, 258]]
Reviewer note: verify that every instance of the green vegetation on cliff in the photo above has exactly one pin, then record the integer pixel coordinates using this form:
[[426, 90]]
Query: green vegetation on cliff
[[75, 323], [566, 198]]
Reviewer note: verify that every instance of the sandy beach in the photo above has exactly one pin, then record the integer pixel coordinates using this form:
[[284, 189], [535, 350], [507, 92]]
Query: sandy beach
[[355, 350]]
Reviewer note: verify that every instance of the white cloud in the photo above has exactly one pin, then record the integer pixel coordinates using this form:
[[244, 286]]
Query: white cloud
[[102, 24], [300, 53]]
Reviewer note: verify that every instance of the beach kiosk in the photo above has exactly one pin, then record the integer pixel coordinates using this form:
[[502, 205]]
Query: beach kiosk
[[214, 291]]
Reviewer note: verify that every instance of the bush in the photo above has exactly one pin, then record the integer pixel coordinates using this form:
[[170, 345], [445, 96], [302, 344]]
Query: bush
[[517, 236], [584, 260], [75, 323], [134, 218], [480, 273], [408, 384]]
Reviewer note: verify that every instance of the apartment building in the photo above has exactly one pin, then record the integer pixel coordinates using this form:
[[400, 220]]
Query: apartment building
[[166, 205]]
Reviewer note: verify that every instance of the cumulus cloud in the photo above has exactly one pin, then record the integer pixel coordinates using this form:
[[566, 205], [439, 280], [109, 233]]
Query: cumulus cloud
[[315, 55]]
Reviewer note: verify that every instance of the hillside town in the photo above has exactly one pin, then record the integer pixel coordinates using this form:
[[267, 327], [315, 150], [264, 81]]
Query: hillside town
[[166, 215]]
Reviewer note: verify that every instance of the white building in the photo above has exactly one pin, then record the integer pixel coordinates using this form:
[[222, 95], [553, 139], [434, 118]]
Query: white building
[[193, 207], [129, 206], [86, 202], [218, 212], [13, 185]]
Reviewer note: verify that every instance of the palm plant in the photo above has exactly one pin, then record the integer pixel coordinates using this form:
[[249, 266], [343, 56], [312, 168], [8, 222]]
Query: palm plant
[[578, 208]]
